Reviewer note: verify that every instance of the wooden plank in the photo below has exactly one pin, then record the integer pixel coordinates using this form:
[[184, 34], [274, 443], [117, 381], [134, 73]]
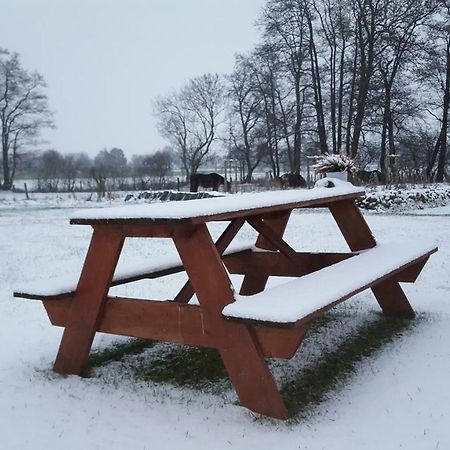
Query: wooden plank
[[237, 344], [222, 244], [278, 342], [31, 296], [352, 224], [85, 313], [146, 227], [277, 222], [252, 284], [172, 322], [393, 300], [276, 264], [411, 273], [149, 228], [274, 239], [58, 310], [156, 320]]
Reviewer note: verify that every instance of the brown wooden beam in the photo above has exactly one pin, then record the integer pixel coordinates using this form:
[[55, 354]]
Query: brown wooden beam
[[221, 244], [411, 273], [173, 322], [87, 304], [253, 284], [274, 239], [393, 300], [352, 225], [276, 264]]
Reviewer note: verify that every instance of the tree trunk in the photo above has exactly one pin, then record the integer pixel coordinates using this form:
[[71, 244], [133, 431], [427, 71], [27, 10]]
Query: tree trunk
[[7, 182], [350, 104], [318, 101], [443, 141], [340, 98], [297, 126], [383, 143]]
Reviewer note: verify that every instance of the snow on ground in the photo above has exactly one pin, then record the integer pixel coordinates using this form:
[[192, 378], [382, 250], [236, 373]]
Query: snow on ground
[[397, 398], [438, 211]]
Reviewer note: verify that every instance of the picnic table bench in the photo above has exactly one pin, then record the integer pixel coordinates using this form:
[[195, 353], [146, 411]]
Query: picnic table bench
[[247, 327]]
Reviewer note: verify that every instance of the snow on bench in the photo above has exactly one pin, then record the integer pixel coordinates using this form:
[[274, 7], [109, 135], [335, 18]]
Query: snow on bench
[[126, 272], [298, 300]]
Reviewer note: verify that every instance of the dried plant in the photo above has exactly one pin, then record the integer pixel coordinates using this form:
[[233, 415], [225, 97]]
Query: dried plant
[[334, 163]]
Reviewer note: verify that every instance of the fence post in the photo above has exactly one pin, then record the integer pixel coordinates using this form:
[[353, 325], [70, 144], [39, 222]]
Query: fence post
[[26, 191]]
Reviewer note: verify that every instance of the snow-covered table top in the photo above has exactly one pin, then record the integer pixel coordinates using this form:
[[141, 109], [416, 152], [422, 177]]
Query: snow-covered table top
[[220, 208]]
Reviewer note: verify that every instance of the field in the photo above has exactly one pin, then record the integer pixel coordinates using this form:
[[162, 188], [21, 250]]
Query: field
[[359, 380]]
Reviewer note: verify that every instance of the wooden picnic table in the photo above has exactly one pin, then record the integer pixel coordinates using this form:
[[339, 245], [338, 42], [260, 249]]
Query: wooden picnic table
[[243, 327]]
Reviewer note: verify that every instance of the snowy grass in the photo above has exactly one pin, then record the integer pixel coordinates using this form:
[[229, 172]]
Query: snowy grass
[[311, 386], [358, 381], [303, 388]]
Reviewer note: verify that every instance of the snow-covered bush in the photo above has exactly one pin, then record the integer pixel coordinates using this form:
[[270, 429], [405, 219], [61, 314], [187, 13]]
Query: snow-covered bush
[[408, 198]]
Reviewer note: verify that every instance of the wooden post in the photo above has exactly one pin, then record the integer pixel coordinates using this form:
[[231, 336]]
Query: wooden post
[[85, 314], [26, 191]]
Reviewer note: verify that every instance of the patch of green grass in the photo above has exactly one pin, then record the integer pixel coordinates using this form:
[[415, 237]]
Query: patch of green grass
[[115, 353], [203, 369], [314, 383], [196, 368]]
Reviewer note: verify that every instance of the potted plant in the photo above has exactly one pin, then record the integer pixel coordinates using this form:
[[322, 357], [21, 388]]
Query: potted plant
[[334, 166]]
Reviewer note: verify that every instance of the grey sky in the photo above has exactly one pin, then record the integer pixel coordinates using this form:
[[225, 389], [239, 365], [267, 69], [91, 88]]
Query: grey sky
[[105, 61]]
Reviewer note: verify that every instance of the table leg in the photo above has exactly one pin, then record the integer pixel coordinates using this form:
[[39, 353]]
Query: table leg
[[86, 310], [236, 343], [356, 232], [253, 284], [353, 226], [393, 300]]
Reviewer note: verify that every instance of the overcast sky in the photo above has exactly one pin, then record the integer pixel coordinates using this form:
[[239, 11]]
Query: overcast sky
[[105, 60]]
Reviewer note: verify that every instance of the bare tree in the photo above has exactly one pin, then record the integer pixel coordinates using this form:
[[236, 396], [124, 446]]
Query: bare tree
[[316, 79], [51, 170], [110, 164], [336, 46], [24, 111], [415, 148], [397, 50], [368, 18], [159, 164], [286, 37], [246, 115], [277, 108], [189, 118], [436, 75]]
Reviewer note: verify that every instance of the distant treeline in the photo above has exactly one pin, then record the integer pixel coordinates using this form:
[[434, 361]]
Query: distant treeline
[[108, 170]]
